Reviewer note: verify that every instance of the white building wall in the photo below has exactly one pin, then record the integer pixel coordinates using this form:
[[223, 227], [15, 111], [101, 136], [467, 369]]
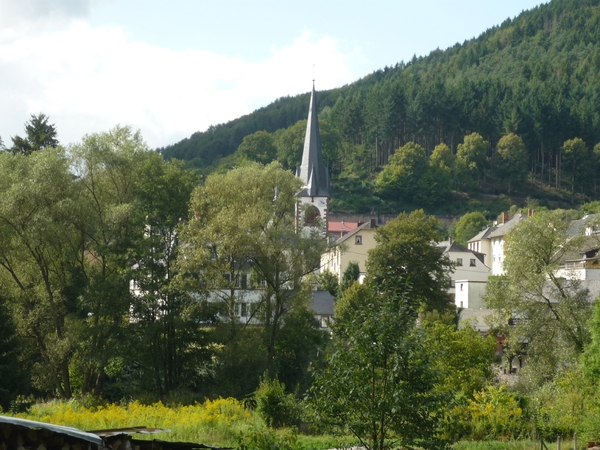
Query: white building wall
[[578, 274], [498, 256], [469, 294]]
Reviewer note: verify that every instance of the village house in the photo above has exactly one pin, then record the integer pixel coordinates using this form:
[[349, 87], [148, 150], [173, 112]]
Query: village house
[[353, 247]]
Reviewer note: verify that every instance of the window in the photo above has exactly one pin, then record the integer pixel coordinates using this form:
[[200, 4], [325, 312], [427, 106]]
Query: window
[[461, 285], [472, 264], [244, 310], [459, 261], [358, 240], [451, 283]]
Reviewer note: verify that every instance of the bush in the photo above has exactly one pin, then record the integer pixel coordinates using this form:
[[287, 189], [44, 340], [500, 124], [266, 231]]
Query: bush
[[257, 439], [275, 406]]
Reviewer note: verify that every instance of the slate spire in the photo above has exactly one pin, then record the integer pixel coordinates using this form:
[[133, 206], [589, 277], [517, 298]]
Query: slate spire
[[313, 172]]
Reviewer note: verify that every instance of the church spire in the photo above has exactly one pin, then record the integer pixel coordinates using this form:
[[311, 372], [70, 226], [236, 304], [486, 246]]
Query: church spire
[[313, 172]]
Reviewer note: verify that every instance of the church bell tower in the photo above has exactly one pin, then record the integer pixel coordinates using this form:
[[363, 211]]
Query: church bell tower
[[316, 192]]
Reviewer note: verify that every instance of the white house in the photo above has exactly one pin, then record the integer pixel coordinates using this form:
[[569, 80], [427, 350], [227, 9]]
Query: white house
[[467, 282], [490, 241]]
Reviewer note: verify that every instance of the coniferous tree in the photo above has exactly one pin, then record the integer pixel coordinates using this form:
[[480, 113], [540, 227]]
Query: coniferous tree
[[39, 135]]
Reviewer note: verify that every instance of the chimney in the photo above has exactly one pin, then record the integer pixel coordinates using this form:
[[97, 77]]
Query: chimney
[[373, 223], [504, 217]]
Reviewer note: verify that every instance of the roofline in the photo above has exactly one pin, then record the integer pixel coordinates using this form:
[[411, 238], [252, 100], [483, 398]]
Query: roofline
[[69, 431], [364, 226]]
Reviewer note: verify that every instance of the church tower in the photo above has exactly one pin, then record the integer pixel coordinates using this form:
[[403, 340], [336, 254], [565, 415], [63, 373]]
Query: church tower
[[316, 192]]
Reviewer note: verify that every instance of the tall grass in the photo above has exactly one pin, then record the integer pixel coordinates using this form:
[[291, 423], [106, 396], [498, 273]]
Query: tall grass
[[215, 422], [510, 445]]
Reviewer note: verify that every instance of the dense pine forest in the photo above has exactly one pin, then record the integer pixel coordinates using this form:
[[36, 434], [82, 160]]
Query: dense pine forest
[[536, 76]]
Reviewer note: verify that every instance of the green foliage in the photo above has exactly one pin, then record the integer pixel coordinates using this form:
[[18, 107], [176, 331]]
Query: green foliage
[[400, 178], [258, 147], [472, 157], [511, 159], [379, 382], [259, 439], [442, 158], [300, 343], [11, 372], [328, 281], [405, 245], [40, 135], [591, 355], [290, 143], [493, 413], [576, 158], [534, 75], [463, 355], [349, 277], [468, 226], [548, 308], [245, 218], [276, 407]]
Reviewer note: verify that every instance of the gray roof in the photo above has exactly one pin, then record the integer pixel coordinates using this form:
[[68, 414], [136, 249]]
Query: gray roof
[[364, 226], [483, 234], [579, 226], [506, 228], [447, 246], [322, 303], [69, 431], [313, 172]]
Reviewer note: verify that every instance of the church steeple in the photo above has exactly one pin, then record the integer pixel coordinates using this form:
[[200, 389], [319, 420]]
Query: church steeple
[[313, 172]]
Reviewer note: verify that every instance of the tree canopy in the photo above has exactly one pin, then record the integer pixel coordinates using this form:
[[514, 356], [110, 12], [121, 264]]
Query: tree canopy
[[405, 245]]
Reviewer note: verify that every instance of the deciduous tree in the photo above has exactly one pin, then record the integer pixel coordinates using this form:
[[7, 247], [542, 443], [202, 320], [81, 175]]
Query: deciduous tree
[[405, 245], [511, 159], [400, 178], [379, 382], [472, 158], [244, 222], [542, 305], [258, 147], [468, 226]]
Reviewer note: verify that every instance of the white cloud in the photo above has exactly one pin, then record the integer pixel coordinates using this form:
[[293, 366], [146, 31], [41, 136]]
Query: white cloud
[[89, 79]]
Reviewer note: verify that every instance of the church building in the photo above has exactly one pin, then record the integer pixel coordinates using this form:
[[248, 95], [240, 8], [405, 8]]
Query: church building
[[313, 198]]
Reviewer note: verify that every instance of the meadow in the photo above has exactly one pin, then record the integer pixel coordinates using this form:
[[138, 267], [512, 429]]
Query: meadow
[[221, 422]]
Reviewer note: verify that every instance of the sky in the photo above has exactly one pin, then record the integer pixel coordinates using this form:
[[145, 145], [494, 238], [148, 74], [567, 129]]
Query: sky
[[173, 68]]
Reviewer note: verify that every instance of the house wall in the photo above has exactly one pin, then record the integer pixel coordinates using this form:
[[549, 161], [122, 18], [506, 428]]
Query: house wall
[[469, 294], [466, 271], [483, 246], [337, 259], [498, 256], [578, 274]]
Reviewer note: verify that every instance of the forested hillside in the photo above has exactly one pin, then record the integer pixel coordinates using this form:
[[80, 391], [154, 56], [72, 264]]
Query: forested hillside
[[536, 76]]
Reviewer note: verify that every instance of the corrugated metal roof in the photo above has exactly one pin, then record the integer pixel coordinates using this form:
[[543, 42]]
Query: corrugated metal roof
[[128, 430], [69, 431]]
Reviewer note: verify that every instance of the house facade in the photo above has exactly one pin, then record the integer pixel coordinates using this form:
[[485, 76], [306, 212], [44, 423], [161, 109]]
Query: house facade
[[467, 282], [353, 247]]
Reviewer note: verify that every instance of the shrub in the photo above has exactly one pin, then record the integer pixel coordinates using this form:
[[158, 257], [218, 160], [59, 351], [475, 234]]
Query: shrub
[[275, 406], [258, 439]]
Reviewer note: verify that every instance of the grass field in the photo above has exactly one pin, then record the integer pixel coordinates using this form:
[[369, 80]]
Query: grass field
[[220, 422]]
